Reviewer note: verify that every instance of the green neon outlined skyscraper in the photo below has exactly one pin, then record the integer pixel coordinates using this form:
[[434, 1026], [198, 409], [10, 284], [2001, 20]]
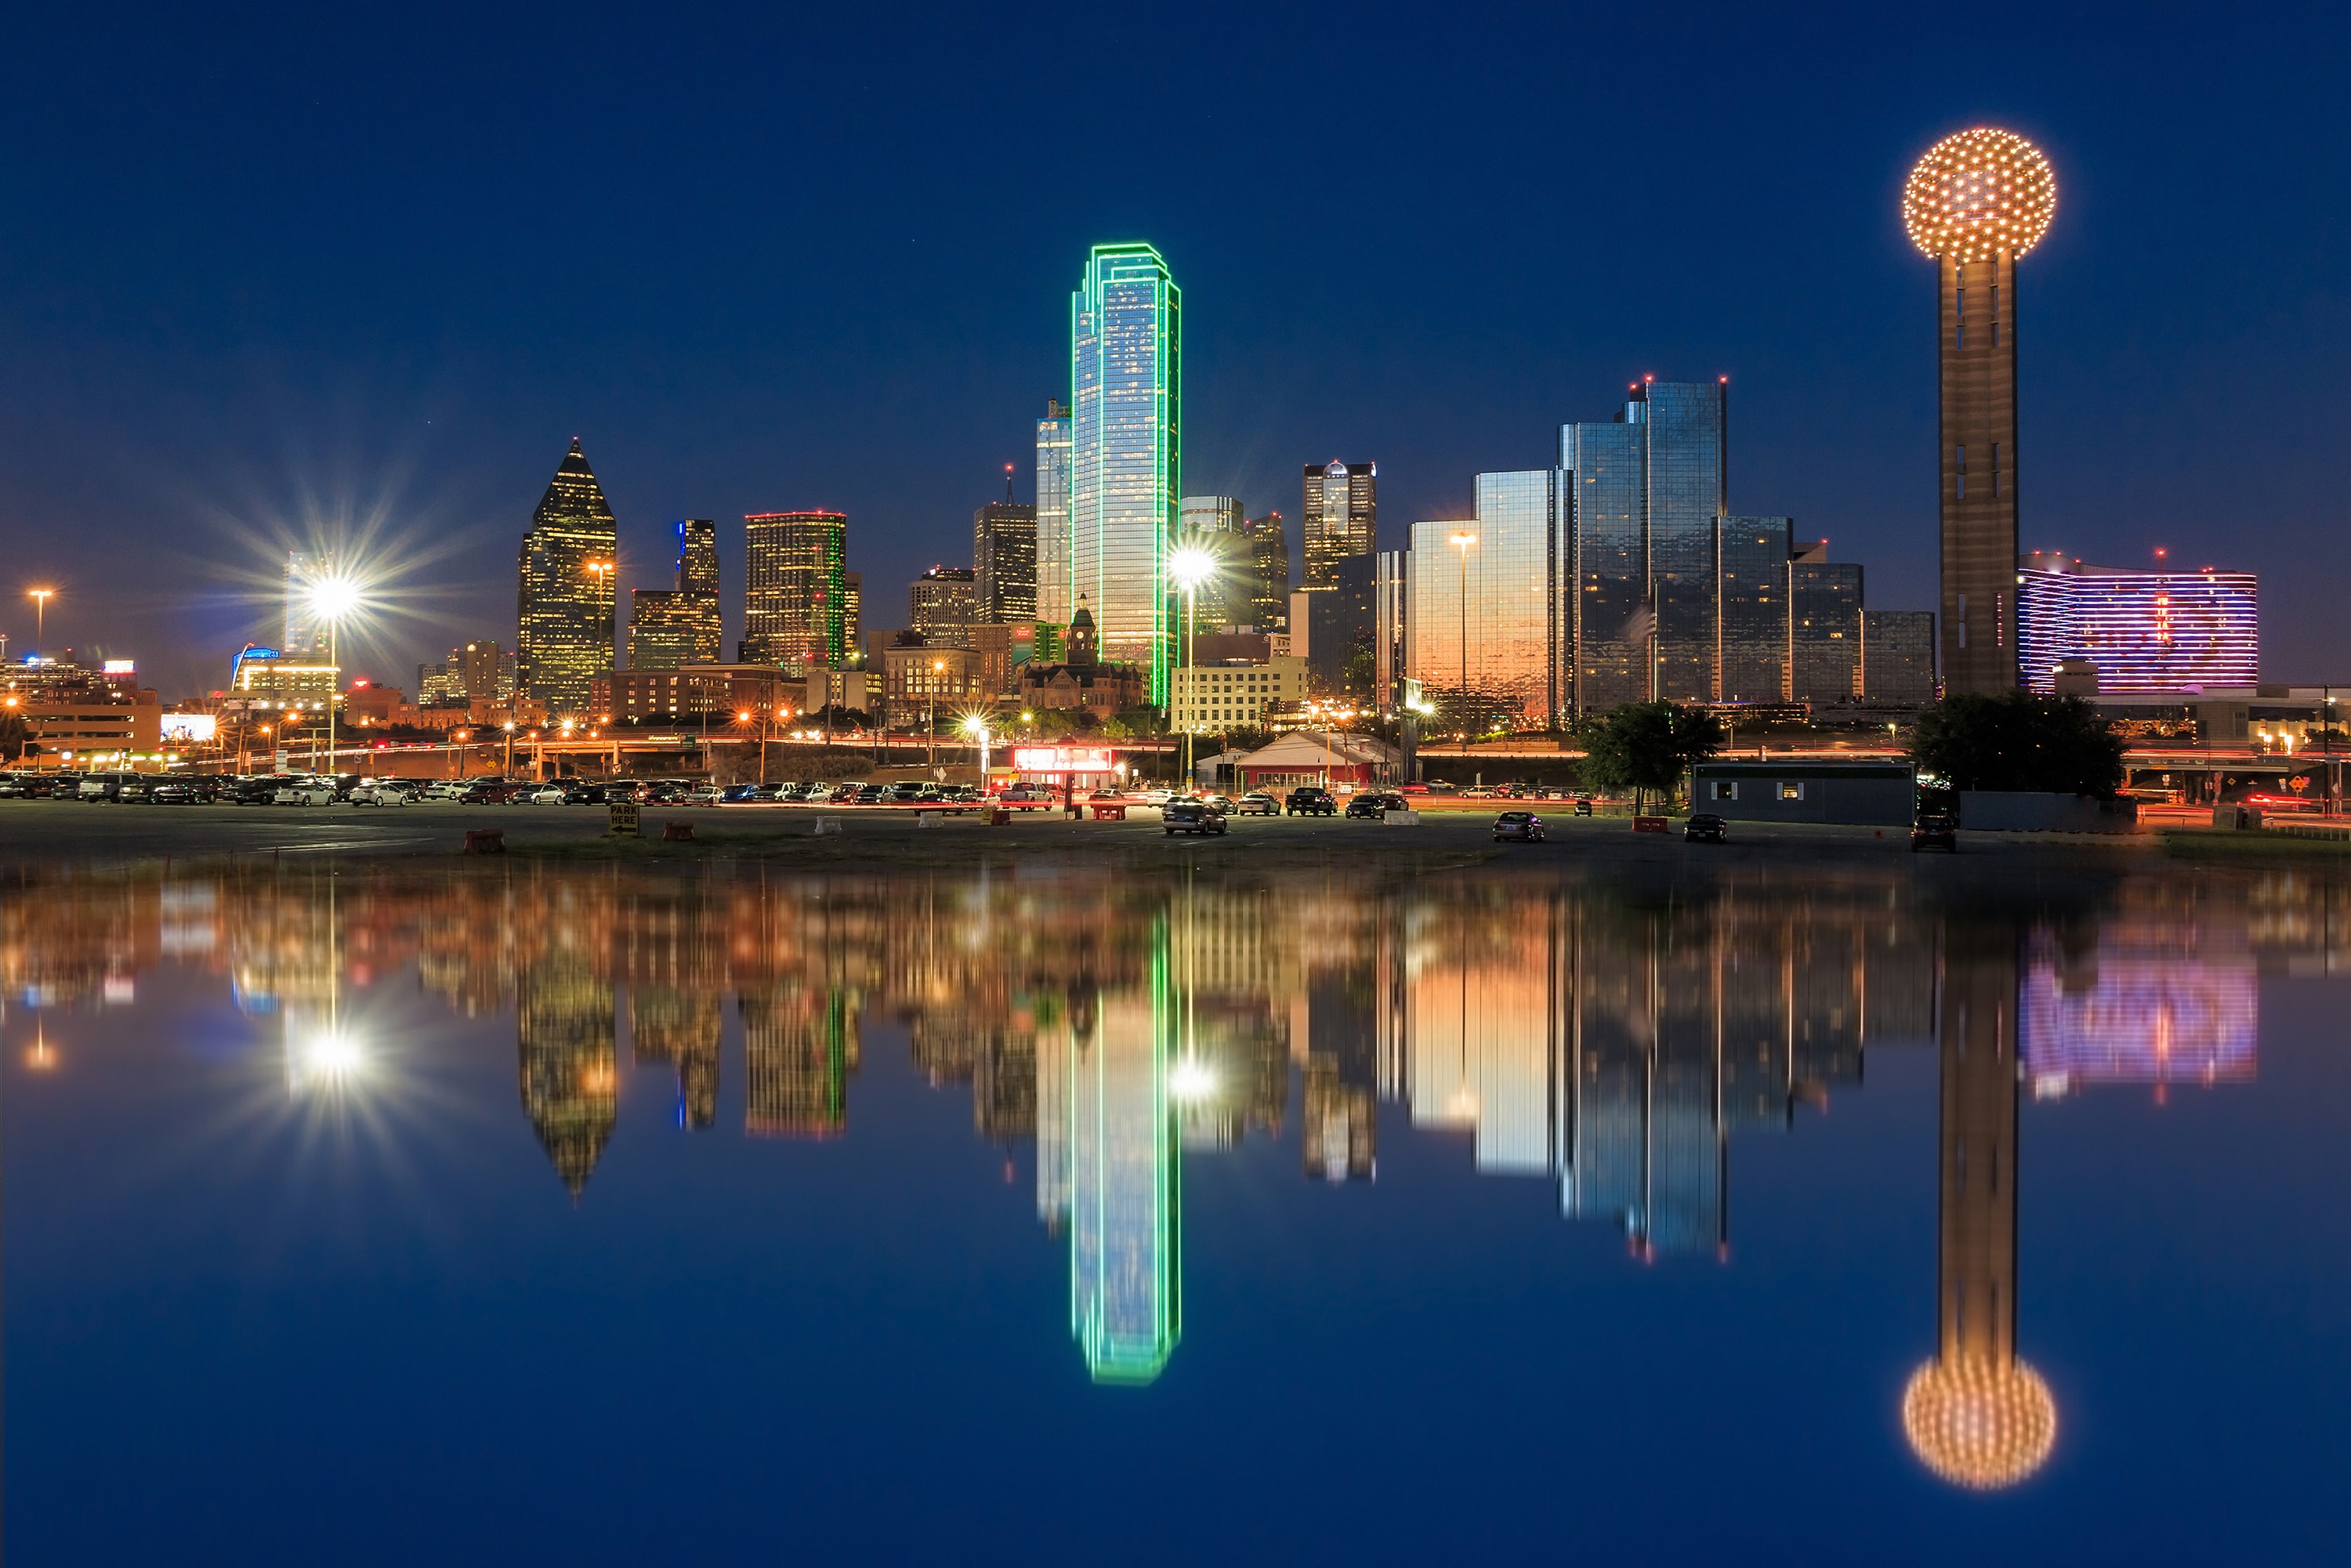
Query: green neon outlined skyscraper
[[1126, 463]]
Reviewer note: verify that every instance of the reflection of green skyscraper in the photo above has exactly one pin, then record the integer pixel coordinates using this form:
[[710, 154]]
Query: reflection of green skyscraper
[[1126, 1231]]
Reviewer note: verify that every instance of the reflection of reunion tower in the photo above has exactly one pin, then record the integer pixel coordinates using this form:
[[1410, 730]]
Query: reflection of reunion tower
[[1976, 202], [1977, 1415]]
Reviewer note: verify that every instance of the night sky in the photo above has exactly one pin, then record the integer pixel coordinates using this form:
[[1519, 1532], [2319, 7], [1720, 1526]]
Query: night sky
[[262, 274]]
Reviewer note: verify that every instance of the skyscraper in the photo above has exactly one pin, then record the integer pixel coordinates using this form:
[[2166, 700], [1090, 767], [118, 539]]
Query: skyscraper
[[1897, 656], [1055, 599], [1824, 627], [1684, 487], [1479, 630], [1753, 614], [1126, 449], [795, 609], [1269, 546], [1341, 516], [679, 625], [564, 635], [1977, 202], [1127, 1184], [1215, 524], [305, 636], [852, 612], [1004, 560], [1608, 627], [943, 604], [2143, 630]]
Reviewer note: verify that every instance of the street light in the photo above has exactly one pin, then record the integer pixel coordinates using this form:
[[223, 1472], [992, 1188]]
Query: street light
[[977, 727], [1189, 567], [40, 597], [938, 673], [1462, 543], [332, 599]]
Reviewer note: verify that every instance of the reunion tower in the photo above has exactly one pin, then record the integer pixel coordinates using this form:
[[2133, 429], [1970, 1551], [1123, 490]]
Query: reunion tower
[[1976, 202]]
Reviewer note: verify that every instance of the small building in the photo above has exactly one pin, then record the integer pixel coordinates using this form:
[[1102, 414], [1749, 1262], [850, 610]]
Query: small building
[[1081, 680], [1319, 757], [1864, 794], [1208, 698]]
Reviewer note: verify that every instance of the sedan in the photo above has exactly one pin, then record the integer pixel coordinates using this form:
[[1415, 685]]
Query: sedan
[[1257, 803], [1705, 828], [545, 795], [180, 793], [1191, 817], [305, 792], [1524, 826]]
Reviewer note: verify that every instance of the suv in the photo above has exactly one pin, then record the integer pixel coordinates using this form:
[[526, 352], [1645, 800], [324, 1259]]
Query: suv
[[1705, 828], [1309, 802], [1936, 829], [1191, 817]]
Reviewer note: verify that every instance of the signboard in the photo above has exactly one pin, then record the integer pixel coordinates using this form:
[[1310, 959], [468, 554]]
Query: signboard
[[121, 667], [623, 816], [1062, 758], [190, 726]]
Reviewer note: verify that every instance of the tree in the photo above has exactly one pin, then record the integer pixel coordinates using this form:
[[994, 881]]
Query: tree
[[14, 733], [2019, 740], [1642, 747]]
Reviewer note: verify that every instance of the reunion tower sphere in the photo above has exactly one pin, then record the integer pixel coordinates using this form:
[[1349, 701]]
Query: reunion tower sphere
[[1980, 1424], [1977, 194]]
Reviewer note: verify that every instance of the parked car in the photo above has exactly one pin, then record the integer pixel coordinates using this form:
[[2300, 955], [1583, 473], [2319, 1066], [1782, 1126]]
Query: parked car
[[443, 789], [12, 788], [1153, 796], [1583, 805], [1705, 828], [905, 793], [385, 792], [1191, 817], [543, 795], [100, 787], [1479, 792], [1257, 803], [1306, 800], [1220, 804], [1416, 789], [188, 791], [305, 792], [1935, 830], [1524, 826], [870, 794], [489, 793], [1374, 806]]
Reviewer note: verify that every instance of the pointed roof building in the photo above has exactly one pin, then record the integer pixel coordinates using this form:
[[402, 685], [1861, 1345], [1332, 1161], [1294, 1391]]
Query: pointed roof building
[[564, 634]]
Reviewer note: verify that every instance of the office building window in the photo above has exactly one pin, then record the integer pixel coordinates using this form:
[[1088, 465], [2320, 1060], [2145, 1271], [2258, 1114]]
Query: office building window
[[1791, 791]]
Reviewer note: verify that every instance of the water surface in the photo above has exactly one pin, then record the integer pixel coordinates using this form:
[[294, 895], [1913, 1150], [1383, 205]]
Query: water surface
[[1046, 1212]]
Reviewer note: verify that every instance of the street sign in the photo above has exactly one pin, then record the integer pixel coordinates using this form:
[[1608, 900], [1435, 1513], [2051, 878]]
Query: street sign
[[623, 815]]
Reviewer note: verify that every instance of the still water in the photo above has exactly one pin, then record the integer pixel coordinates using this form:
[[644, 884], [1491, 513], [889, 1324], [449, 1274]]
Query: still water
[[1048, 1214]]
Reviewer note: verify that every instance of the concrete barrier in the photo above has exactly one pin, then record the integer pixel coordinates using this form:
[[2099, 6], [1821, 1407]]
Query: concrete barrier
[[928, 818], [1401, 819], [827, 825], [2032, 811]]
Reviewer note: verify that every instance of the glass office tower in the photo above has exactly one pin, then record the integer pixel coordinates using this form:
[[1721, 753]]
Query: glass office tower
[[1479, 626], [1126, 449], [1897, 656], [1683, 487], [1341, 518], [1608, 630], [1270, 554], [795, 595], [1823, 629], [1004, 560], [1751, 619], [1216, 524], [564, 634], [1056, 599]]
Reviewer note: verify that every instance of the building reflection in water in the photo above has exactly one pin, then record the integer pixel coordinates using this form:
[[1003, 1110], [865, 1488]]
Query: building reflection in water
[[1977, 1415], [1564, 1031]]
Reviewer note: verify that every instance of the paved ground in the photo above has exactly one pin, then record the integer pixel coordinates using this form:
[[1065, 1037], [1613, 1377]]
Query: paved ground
[[51, 834]]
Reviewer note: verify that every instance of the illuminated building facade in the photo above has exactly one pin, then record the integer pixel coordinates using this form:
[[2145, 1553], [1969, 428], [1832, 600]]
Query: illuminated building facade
[[1269, 549], [570, 1079], [800, 1046], [1341, 518], [1126, 451], [305, 633], [2144, 630], [1057, 597], [1977, 202], [1897, 657], [1683, 487], [1603, 636], [1215, 524], [564, 635], [1004, 561], [795, 592], [1751, 643], [1823, 628], [1390, 611], [476, 672], [852, 613], [679, 625], [943, 604], [1480, 625]]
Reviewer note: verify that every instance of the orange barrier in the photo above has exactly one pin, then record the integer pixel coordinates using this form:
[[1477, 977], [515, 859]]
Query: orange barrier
[[485, 841]]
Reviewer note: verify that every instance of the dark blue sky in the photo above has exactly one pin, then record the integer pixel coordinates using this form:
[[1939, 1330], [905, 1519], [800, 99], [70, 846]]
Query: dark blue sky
[[257, 267]]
